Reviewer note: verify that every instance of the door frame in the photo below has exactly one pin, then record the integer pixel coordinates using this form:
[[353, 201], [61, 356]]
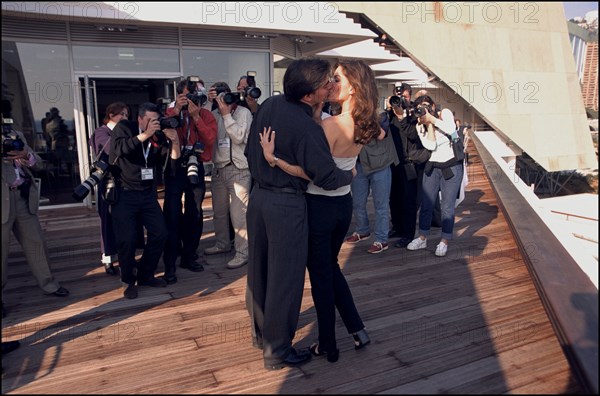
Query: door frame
[[82, 135]]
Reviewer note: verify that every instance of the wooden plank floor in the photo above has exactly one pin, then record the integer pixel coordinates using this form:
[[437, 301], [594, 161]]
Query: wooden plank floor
[[470, 322]]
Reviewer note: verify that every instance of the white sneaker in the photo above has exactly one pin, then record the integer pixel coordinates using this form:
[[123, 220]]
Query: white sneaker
[[237, 262], [417, 244], [441, 249], [216, 250]]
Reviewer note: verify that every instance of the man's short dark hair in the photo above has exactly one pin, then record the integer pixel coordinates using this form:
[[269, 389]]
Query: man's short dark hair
[[147, 107], [304, 76], [406, 87]]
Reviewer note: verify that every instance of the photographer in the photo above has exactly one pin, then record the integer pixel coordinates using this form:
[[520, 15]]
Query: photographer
[[197, 133], [100, 143], [250, 103], [20, 202], [230, 182], [137, 156], [407, 176], [442, 172]]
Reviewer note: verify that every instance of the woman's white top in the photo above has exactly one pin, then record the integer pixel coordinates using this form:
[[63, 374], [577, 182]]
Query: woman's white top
[[346, 163], [441, 151]]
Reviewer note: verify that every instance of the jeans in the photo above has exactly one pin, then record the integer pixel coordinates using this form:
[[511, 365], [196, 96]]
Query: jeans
[[432, 184], [380, 183]]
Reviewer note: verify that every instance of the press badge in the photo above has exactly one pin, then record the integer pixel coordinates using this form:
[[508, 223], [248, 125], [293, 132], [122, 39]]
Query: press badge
[[147, 173], [224, 143]]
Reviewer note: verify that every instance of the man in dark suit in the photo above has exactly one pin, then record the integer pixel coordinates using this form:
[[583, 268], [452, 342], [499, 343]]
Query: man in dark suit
[[277, 216]]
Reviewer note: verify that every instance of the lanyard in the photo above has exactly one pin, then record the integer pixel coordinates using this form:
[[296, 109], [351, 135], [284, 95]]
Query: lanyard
[[146, 151]]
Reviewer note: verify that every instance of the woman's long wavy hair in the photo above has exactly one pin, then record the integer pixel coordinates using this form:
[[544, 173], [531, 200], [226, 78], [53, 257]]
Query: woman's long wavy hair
[[364, 114]]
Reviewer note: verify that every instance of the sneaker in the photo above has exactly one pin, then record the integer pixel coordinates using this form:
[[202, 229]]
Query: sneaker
[[355, 237], [417, 244], [237, 262], [441, 249], [216, 250], [377, 247]]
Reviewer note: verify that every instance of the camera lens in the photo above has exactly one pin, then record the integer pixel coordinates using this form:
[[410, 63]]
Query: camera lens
[[395, 101], [192, 170], [254, 93], [168, 122], [231, 97]]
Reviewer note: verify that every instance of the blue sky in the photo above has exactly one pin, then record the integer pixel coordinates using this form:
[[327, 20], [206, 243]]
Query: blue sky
[[579, 8]]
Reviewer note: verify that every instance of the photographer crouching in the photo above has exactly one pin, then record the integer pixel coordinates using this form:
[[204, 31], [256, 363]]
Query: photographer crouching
[[137, 155], [197, 133], [20, 202]]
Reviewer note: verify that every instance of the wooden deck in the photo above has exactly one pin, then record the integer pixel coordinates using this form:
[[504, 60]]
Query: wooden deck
[[470, 322]]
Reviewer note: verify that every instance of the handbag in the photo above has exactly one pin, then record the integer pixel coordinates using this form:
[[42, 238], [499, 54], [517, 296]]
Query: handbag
[[110, 191], [457, 146]]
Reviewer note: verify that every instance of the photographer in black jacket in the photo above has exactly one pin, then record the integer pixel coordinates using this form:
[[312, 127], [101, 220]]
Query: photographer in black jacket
[[407, 176], [137, 155]]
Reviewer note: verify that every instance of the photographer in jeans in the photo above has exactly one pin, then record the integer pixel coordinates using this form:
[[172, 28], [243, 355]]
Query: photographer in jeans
[[137, 156], [197, 133], [442, 172]]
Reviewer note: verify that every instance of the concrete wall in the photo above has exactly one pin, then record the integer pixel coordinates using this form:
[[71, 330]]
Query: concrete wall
[[511, 61]]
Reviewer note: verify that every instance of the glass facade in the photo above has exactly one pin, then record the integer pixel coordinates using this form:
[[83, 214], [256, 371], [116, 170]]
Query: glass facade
[[37, 81], [125, 59], [214, 66]]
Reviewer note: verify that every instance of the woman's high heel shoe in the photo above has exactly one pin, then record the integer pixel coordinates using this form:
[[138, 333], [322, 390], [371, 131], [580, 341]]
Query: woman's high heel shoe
[[331, 356], [361, 338]]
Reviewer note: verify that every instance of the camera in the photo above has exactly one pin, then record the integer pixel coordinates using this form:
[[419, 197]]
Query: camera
[[10, 140], [399, 101], [195, 93], [190, 159], [419, 111], [251, 90], [98, 171], [232, 97], [165, 123], [199, 97], [168, 122]]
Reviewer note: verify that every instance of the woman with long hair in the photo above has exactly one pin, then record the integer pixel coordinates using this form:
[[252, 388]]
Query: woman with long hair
[[330, 211]]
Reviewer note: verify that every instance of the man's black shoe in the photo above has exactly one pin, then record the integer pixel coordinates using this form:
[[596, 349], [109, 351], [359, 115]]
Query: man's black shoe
[[131, 292], [394, 234], [402, 242], [152, 282], [9, 346], [61, 292], [193, 266], [170, 279], [294, 358], [111, 269]]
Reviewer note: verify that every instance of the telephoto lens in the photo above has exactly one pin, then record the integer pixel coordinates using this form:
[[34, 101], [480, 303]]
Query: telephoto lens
[[192, 170], [82, 190]]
